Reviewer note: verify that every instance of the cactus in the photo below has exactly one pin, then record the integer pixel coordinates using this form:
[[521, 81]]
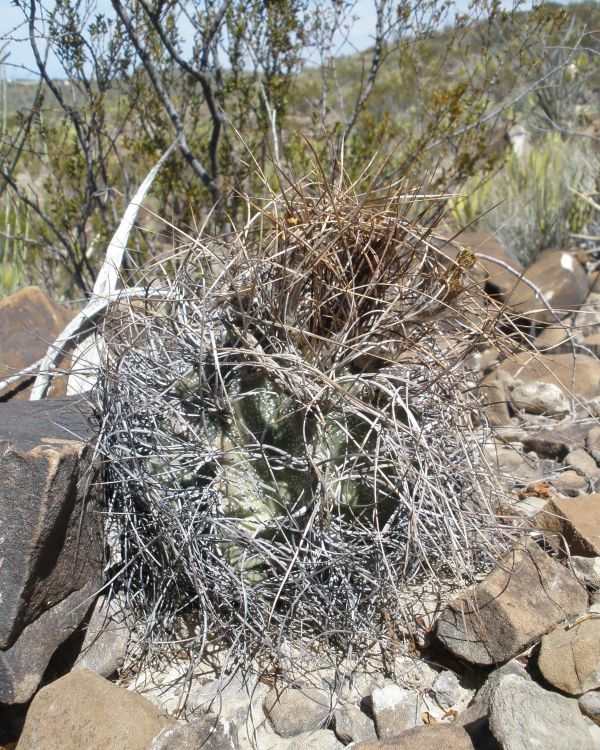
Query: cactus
[[290, 445]]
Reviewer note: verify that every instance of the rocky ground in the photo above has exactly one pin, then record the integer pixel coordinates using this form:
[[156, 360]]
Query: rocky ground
[[513, 663]]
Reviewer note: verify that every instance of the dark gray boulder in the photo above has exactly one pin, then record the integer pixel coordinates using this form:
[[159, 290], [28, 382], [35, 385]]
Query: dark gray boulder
[[50, 535]]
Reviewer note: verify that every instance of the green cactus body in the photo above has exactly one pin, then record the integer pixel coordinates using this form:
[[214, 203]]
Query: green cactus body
[[264, 459]]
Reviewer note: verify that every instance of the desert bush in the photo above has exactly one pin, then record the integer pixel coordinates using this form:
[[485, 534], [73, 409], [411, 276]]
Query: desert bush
[[528, 203], [239, 77]]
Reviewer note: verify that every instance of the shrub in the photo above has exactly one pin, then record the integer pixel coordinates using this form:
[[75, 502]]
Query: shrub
[[527, 203]]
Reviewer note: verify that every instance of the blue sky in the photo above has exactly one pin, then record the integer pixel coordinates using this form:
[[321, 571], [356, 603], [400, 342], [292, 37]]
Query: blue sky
[[13, 38]]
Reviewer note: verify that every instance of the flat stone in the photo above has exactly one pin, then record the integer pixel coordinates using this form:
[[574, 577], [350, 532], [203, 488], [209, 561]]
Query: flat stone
[[560, 278], [292, 711], [434, 737], [589, 705], [395, 709], [50, 535], [511, 608], [524, 715], [207, 732], [578, 520], [350, 724], [83, 710], [29, 321], [587, 569], [569, 657], [536, 397]]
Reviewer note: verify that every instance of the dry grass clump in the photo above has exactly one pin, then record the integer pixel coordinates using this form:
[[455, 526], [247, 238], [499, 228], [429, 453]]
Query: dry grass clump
[[289, 429]]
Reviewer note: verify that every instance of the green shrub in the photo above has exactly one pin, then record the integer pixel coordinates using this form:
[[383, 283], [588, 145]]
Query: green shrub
[[527, 203]]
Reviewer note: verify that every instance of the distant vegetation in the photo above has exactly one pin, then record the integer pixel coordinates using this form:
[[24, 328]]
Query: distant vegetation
[[435, 107]]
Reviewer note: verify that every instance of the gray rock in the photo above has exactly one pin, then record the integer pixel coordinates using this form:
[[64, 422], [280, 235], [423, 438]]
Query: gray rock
[[529, 507], [207, 733], [83, 710], [395, 709], [540, 398], [24, 663], [589, 705], [106, 638], [511, 608], [523, 715], [571, 483], [582, 462], [292, 711], [446, 689], [580, 376], [318, 740], [51, 540], [480, 706], [563, 438], [569, 657], [593, 443], [350, 724], [588, 569]]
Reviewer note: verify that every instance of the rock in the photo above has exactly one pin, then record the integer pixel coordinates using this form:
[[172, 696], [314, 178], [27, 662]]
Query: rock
[[479, 708], [319, 740], [495, 395], [560, 278], [207, 733], [557, 339], [434, 737], [28, 321], [540, 398], [569, 657], [446, 689], [587, 569], [529, 507], [511, 608], [583, 463], [578, 520], [524, 715], [395, 709], [24, 663], [83, 711], [292, 711], [587, 320], [106, 638], [593, 443], [571, 483], [558, 442], [582, 374], [589, 705], [498, 281], [51, 541], [350, 724]]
